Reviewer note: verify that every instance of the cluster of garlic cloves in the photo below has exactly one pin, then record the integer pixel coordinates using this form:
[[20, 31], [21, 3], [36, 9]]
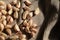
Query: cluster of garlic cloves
[[9, 13]]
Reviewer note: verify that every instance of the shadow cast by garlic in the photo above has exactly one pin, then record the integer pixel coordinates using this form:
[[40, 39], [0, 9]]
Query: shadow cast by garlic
[[49, 12], [55, 33]]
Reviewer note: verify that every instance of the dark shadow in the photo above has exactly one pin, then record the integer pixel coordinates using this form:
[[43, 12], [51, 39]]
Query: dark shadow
[[55, 32], [49, 12]]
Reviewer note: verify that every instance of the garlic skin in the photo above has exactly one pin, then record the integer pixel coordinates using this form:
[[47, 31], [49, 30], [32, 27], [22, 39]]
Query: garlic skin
[[30, 22], [15, 15], [18, 5], [30, 15], [15, 9], [9, 31], [10, 12], [4, 22], [14, 2], [2, 5], [8, 17], [1, 27], [10, 20], [8, 26], [25, 14], [0, 14], [3, 17], [37, 11], [4, 12], [2, 38], [27, 2], [9, 6], [4, 35], [16, 27]]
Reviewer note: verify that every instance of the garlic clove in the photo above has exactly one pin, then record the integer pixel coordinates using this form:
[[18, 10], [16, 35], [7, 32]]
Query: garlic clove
[[15, 15], [16, 27], [1, 27]]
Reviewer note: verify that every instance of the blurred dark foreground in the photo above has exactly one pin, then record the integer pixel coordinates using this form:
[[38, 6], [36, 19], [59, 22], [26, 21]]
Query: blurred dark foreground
[[50, 9]]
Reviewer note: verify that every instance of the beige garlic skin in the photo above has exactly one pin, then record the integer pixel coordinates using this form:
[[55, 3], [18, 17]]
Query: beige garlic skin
[[32, 34], [15, 9], [34, 25], [27, 29], [9, 19], [30, 15], [4, 35], [37, 11], [4, 12], [1, 20], [4, 22], [26, 7], [1, 27], [20, 35], [9, 6], [9, 31], [3, 17], [2, 5], [15, 14], [10, 11], [2, 38], [14, 2], [1, 8], [34, 30], [24, 37], [25, 22], [18, 5], [25, 14], [14, 37], [30, 22], [27, 2], [0, 14], [16, 27], [8, 26]]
